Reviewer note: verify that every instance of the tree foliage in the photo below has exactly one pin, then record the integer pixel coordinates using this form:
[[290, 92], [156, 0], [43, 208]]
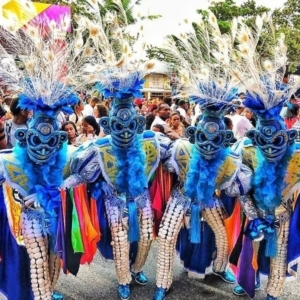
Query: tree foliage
[[287, 21]]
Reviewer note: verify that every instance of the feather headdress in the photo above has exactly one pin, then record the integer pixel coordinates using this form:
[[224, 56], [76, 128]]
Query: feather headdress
[[120, 65], [44, 65], [204, 55], [262, 74]]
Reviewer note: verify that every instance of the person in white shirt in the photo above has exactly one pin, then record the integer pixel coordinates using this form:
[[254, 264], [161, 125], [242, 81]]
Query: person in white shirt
[[240, 123], [164, 113], [77, 116], [182, 107], [89, 108]]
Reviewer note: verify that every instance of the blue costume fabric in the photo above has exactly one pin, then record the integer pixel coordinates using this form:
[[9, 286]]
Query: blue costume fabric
[[197, 258], [14, 262]]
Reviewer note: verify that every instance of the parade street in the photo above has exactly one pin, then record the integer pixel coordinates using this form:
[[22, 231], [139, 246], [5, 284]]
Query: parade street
[[98, 281]]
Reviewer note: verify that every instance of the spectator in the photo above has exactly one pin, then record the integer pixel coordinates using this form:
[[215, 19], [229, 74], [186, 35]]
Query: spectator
[[18, 121], [183, 107], [99, 112], [175, 104], [296, 126], [62, 118], [70, 128], [2, 136], [163, 115], [248, 113], [240, 123], [229, 126], [77, 115], [149, 120], [174, 83], [241, 96], [7, 100], [176, 124], [290, 111], [89, 108], [90, 130], [158, 128], [168, 100]]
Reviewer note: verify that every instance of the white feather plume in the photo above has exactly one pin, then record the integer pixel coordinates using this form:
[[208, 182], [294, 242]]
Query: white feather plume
[[205, 54], [262, 75], [45, 61]]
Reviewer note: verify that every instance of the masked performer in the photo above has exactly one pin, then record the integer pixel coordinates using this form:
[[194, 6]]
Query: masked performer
[[33, 171], [123, 163], [208, 166], [270, 152]]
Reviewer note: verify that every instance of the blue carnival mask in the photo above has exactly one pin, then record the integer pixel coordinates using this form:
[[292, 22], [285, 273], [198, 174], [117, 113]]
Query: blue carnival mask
[[272, 138], [42, 138], [210, 136], [123, 124]]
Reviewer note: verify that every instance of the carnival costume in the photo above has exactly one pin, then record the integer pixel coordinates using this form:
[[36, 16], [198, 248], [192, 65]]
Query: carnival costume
[[34, 170], [203, 165], [127, 159], [270, 152]]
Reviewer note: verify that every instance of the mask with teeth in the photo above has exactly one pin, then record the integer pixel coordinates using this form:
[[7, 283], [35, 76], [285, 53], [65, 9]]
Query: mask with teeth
[[42, 138], [123, 124], [210, 135], [272, 138]]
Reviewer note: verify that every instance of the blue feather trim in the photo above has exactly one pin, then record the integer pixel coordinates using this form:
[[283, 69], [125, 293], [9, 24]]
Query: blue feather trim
[[45, 180], [121, 87], [268, 180], [66, 100], [254, 102], [200, 181], [200, 186], [213, 97], [131, 165]]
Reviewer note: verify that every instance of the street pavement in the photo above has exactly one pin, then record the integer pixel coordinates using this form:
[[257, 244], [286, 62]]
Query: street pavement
[[97, 281]]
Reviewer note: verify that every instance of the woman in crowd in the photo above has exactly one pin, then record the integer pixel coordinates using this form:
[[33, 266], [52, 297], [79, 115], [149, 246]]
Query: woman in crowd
[[77, 116], [70, 128], [90, 130], [176, 124], [99, 112], [248, 113]]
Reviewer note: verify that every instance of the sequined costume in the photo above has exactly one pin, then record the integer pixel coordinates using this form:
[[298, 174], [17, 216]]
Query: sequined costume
[[281, 262], [207, 164], [219, 172], [122, 165], [271, 205], [33, 171]]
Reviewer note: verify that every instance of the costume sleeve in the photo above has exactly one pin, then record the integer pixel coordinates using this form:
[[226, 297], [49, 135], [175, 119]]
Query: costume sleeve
[[85, 165], [165, 144], [242, 182]]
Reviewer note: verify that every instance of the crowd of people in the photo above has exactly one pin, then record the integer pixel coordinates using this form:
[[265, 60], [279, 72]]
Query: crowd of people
[[168, 115]]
